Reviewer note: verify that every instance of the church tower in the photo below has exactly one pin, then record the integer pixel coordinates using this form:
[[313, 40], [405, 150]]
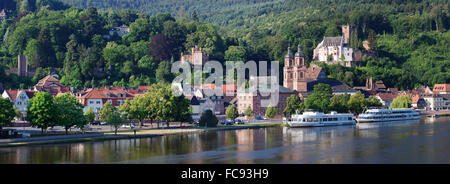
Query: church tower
[[287, 70], [300, 70]]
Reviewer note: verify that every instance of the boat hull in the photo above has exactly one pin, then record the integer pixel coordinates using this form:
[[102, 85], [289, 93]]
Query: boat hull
[[386, 119], [319, 124]]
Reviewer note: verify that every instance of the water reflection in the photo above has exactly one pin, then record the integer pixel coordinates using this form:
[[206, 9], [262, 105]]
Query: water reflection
[[425, 141]]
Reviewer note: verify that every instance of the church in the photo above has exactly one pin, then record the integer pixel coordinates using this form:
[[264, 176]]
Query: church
[[333, 50], [297, 76]]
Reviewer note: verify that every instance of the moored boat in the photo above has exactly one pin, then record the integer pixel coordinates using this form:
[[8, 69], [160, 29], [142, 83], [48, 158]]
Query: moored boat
[[381, 115], [315, 119]]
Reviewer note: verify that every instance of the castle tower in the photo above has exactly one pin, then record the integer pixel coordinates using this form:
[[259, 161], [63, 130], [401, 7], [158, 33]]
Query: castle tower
[[196, 57], [347, 32], [22, 68]]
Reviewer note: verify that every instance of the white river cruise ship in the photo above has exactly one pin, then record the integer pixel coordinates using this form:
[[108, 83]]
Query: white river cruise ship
[[376, 115], [313, 119]]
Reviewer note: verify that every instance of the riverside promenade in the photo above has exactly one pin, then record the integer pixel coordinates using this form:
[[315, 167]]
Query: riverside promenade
[[123, 134]]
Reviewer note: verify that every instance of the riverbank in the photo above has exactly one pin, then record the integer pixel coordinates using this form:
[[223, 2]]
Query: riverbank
[[127, 134]]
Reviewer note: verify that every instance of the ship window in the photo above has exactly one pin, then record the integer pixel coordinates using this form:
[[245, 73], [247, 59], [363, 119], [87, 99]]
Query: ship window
[[324, 119], [330, 119], [349, 118]]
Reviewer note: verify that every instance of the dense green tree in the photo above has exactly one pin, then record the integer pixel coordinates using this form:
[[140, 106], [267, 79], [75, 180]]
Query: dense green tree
[[7, 112], [69, 112], [163, 73], [235, 53], [248, 112], [320, 98], [111, 116], [373, 101], [401, 102], [208, 119], [231, 112], [41, 111], [356, 104], [182, 109], [293, 105], [90, 115], [338, 103], [271, 112]]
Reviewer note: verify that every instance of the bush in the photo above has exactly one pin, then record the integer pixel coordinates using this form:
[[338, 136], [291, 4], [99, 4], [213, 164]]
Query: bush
[[208, 119]]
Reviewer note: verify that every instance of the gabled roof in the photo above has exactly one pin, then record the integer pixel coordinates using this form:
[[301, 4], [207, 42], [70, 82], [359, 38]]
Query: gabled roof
[[47, 80], [336, 85], [14, 93], [194, 101], [105, 93], [441, 88], [379, 85], [386, 96], [331, 41]]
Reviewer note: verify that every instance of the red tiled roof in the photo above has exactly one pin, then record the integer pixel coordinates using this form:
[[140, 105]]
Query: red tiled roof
[[441, 88], [386, 96], [138, 90], [13, 93], [113, 92], [47, 80]]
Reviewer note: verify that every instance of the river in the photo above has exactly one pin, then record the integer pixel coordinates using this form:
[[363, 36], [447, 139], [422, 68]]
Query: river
[[424, 141]]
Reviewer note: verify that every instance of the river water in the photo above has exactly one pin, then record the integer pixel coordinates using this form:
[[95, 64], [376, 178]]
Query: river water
[[424, 141]]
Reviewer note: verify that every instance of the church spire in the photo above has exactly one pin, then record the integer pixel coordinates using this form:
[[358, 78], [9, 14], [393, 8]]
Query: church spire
[[289, 54], [299, 51]]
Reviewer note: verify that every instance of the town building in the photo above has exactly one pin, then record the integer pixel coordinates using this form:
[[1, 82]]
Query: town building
[[215, 103], [333, 50], [196, 57], [95, 98], [434, 102], [385, 98], [51, 85], [20, 98], [253, 100], [417, 102], [442, 89], [119, 31]]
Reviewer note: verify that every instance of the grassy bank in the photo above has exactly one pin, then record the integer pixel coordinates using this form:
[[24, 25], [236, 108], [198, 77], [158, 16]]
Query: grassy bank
[[130, 134]]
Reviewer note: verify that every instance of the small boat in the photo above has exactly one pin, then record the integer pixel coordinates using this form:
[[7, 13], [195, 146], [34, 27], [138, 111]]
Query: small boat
[[381, 115], [318, 119], [433, 116]]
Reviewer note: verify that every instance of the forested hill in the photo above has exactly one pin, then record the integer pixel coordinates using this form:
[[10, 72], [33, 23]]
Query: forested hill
[[409, 38], [265, 15]]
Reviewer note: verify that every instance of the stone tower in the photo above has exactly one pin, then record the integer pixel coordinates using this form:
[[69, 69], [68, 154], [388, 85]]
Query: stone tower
[[347, 33], [196, 57]]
